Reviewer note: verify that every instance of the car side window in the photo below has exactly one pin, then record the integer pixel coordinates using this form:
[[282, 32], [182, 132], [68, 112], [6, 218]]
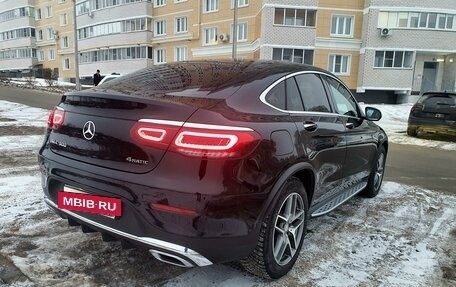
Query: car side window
[[313, 93], [294, 102], [276, 96], [345, 103]]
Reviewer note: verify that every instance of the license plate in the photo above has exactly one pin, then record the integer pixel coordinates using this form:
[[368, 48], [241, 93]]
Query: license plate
[[76, 200]]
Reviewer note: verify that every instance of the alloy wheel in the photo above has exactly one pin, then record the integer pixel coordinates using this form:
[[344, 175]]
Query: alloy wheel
[[288, 228]]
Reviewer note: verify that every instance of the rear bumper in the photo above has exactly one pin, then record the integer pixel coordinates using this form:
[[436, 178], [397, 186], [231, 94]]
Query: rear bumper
[[187, 256], [447, 128], [224, 228]]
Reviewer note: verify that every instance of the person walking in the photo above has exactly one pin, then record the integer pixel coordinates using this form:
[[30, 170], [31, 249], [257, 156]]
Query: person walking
[[96, 78]]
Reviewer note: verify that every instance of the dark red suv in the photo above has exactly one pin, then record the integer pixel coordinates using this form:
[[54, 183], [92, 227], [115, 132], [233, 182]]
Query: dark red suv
[[208, 162]]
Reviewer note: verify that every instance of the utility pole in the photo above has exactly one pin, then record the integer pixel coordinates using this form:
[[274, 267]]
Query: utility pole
[[76, 50], [235, 24]]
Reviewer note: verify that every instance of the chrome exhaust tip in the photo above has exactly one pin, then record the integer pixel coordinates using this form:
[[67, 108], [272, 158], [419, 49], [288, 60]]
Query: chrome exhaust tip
[[171, 258]]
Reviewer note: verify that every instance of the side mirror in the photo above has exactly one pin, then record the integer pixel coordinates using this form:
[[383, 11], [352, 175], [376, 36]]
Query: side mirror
[[373, 114]]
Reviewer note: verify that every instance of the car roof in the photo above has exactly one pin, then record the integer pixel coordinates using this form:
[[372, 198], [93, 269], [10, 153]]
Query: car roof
[[439, 93], [206, 78]]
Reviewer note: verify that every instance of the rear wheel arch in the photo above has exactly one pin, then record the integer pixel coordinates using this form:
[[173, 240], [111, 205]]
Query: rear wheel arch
[[307, 177], [304, 171]]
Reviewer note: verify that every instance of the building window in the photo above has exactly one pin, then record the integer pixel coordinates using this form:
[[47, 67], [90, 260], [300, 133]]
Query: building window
[[66, 64], [40, 56], [38, 14], [293, 55], [241, 3], [65, 42], [82, 8], [18, 53], [116, 54], [181, 25], [416, 20], [180, 54], [241, 31], [294, 17], [210, 36], [210, 5], [160, 27], [50, 33], [393, 59], [342, 25], [48, 11], [180, 1], [125, 26], [159, 3], [62, 1], [160, 56], [339, 64], [63, 19], [17, 33], [40, 35], [51, 55], [16, 13]]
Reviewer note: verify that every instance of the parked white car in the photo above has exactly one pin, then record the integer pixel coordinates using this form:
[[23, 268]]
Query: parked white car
[[108, 78]]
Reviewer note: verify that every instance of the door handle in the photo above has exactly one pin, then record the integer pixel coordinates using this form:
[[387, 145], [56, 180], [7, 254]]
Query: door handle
[[349, 125], [310, 126]]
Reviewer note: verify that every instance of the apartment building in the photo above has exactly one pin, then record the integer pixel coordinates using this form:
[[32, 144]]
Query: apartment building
[[384, 50], [54, 38], [17, 37], [114, 36], [408, 47]]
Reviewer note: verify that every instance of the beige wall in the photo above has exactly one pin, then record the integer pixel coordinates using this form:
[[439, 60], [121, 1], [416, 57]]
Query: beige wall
[[328, 8], [324, 21], [346, 4], [198, 20], [321, 59], [56, 44]]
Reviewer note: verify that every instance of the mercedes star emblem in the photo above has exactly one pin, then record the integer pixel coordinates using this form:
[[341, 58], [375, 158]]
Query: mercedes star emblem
[[88, 131]]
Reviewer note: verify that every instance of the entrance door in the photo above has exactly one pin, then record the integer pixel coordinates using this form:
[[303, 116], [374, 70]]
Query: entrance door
[[429, 77]]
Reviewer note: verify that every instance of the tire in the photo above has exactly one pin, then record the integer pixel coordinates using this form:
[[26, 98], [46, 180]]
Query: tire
[[376, 176], [411, 132], [280, 239]]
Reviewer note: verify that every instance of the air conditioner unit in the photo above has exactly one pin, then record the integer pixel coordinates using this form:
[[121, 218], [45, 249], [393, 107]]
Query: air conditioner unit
[[224, 37], [385, 32], [90, 14]]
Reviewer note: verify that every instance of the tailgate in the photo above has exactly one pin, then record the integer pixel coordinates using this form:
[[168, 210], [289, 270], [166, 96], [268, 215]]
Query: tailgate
[[441, 107], [97, 131]]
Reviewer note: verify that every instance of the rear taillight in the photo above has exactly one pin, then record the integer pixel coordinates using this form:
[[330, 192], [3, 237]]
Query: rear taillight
[[56, 118], [196, 140], [416, 109]]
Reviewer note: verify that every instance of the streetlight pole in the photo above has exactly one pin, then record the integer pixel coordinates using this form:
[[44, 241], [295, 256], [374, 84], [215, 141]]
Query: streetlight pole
[[235, 23], [76, 50]]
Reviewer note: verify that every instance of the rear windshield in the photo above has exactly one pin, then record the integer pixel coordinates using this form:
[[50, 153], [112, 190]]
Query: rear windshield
[[181, 79], [438, 99]]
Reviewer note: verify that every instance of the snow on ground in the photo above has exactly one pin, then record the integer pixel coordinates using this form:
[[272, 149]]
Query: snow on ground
[[403, 237], [39, 82]]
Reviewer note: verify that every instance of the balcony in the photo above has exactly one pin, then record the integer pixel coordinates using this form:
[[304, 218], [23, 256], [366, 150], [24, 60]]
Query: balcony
[[114, 40], [12, 4], [15, 43], [17, 23], [115, 12], [17, 64]]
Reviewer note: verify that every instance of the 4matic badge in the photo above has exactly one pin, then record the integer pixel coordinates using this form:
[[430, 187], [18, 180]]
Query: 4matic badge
[[137, 161]]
